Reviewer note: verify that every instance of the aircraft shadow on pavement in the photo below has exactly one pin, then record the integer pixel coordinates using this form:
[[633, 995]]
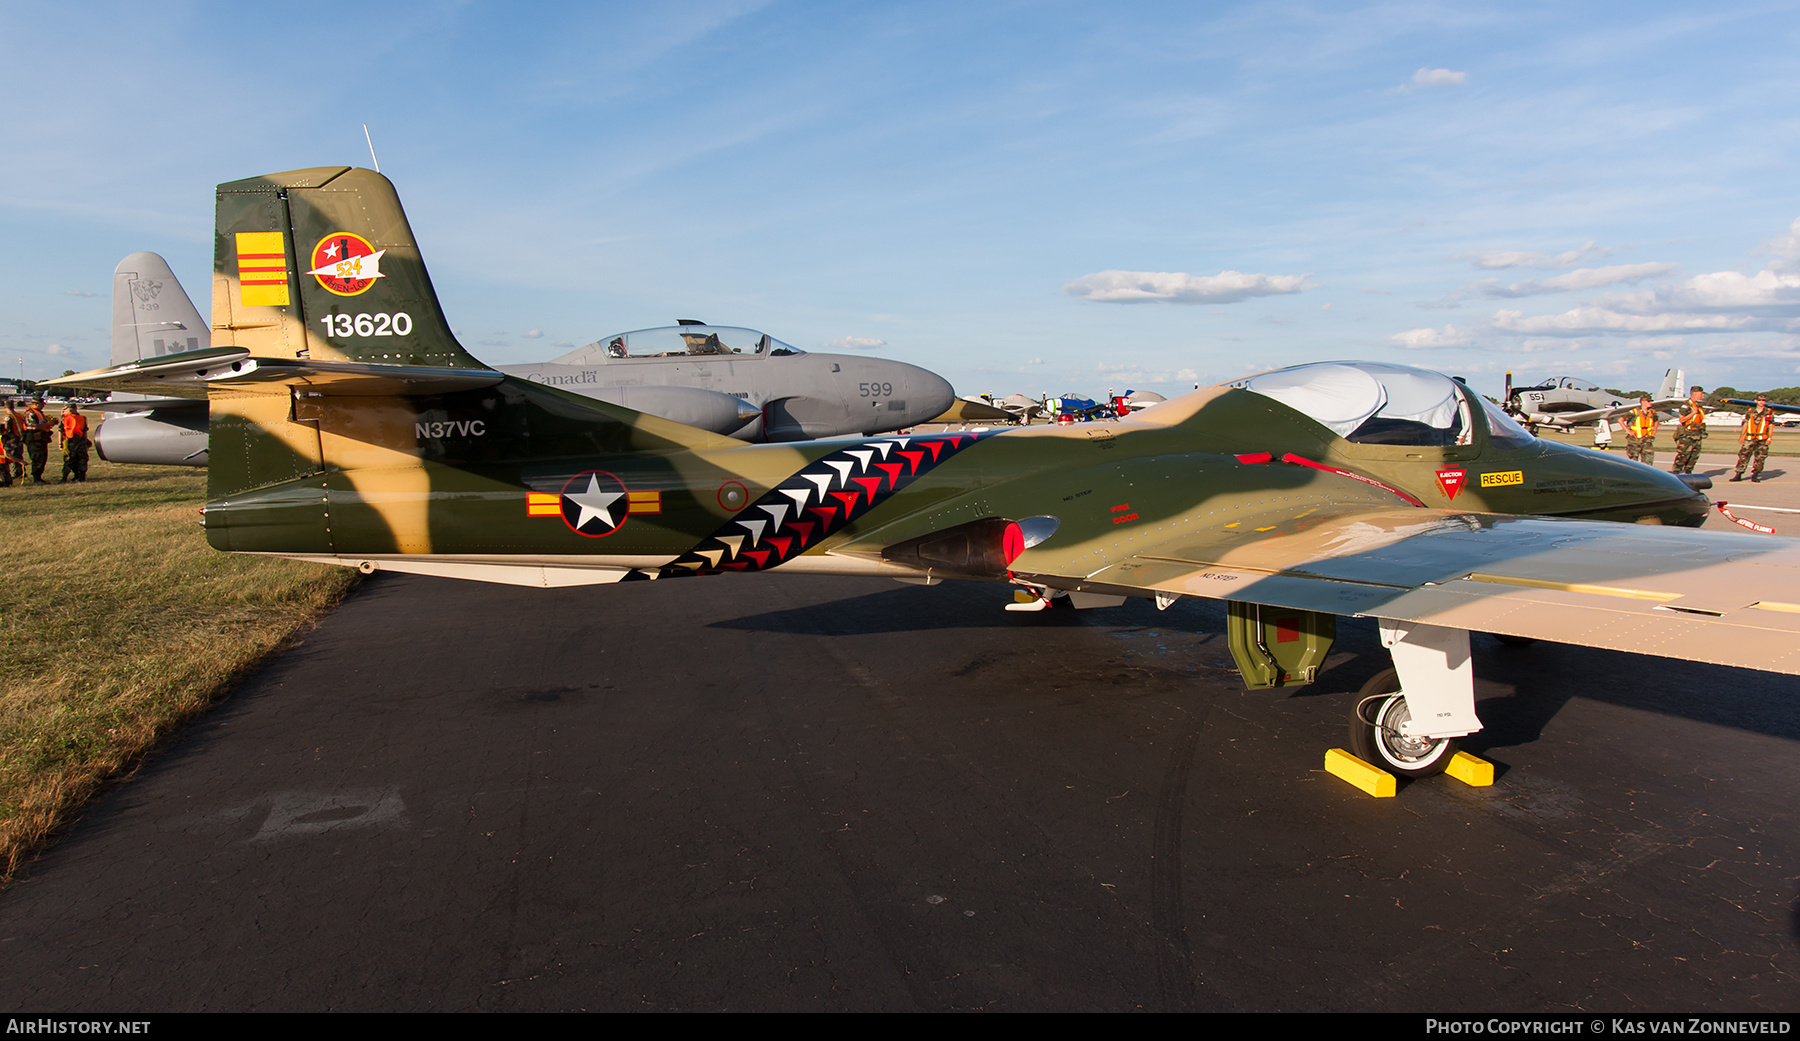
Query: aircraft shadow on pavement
[[1742, 699], [1727, 470]]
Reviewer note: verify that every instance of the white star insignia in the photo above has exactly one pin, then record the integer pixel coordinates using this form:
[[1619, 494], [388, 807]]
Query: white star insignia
[[594, 503]]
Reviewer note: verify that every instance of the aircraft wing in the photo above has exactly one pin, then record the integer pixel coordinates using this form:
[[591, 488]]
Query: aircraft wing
[[1746, 402], [1718, 597]]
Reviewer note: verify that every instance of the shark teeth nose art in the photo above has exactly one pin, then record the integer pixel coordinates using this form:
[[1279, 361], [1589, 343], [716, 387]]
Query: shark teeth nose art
[[817, 500]]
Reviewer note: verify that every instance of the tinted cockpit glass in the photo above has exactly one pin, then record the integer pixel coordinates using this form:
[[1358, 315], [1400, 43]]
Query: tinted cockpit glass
[[1502, 431], [680, 341], [1372, 403]]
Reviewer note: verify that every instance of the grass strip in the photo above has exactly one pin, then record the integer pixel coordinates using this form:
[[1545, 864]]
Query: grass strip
[[117, 623]]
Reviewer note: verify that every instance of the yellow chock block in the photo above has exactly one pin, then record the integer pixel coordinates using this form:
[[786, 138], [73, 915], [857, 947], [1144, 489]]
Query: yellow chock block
[[1371, 779], [1476, 773]]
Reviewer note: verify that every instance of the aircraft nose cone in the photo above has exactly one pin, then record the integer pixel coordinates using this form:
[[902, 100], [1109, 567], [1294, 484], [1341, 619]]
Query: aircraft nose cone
[[929, 395]]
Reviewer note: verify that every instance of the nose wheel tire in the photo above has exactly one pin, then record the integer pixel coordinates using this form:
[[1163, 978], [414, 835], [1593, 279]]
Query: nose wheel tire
[[1375, 732]]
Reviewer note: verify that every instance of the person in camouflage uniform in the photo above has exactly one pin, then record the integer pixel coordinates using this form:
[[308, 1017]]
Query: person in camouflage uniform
[[1753, 439], [75, 443], [1640, 432], [1690, 431], [37, 440], [12, 443]]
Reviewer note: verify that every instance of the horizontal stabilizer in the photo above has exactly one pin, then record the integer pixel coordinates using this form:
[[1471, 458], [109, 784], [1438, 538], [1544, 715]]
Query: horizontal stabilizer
[[188, 375], [127, 406]]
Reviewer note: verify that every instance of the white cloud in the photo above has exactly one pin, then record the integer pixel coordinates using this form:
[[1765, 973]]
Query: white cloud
[[1438, 78], [1176, 287], [1498, 258], [55, 348], [79, 292], [1432, 78], [1035, 361], [1583, 278], [1732, 289], [853, 343], [1786, 247], [533, 334], [1583, 321], [1656, 320], [1781, 347], [1420, 339]]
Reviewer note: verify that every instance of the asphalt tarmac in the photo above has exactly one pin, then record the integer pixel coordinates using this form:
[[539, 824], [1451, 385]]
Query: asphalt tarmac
[[1779, 488], [787, 792]]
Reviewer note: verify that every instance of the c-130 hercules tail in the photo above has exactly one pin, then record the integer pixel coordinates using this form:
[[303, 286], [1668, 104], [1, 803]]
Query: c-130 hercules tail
[[349, 426]]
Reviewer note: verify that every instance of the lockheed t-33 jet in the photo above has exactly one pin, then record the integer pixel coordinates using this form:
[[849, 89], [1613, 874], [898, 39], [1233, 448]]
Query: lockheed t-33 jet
[[727, 380]]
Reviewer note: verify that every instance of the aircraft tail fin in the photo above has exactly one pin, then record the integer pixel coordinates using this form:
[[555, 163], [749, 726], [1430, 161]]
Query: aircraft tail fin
[[1674, 385], [151, 314], [321, 265]]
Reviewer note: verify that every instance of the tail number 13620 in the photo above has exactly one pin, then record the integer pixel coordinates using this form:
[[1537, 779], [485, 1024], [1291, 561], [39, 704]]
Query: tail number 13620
[[378, 324]]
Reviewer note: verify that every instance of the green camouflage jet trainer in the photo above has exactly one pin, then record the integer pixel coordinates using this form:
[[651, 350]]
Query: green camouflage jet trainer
[[349, 426]]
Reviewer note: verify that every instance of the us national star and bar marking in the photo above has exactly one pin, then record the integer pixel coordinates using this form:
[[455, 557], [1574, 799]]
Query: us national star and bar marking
[[595, 504]]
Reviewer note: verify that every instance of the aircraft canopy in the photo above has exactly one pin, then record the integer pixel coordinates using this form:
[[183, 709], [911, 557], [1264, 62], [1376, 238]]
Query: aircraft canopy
[[678, 341], [1371, 402]]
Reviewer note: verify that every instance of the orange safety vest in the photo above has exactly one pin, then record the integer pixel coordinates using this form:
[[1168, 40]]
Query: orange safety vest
[[1643, 422], [1758, 424], [1693, 416], [74, 424]]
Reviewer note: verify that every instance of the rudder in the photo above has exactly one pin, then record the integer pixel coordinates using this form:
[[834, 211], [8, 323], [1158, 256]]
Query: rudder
[[321, 264]]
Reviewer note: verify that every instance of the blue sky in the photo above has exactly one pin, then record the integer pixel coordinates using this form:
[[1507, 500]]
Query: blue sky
[[1022, 196]]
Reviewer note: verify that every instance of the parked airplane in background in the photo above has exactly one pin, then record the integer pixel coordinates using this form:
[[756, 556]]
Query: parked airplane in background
[[736, 382], [152, 317], [801, 396], [1345, 488], [1568, 402]]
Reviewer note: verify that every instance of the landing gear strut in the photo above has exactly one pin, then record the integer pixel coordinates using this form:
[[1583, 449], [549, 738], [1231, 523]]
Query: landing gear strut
[[1408, 718]]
